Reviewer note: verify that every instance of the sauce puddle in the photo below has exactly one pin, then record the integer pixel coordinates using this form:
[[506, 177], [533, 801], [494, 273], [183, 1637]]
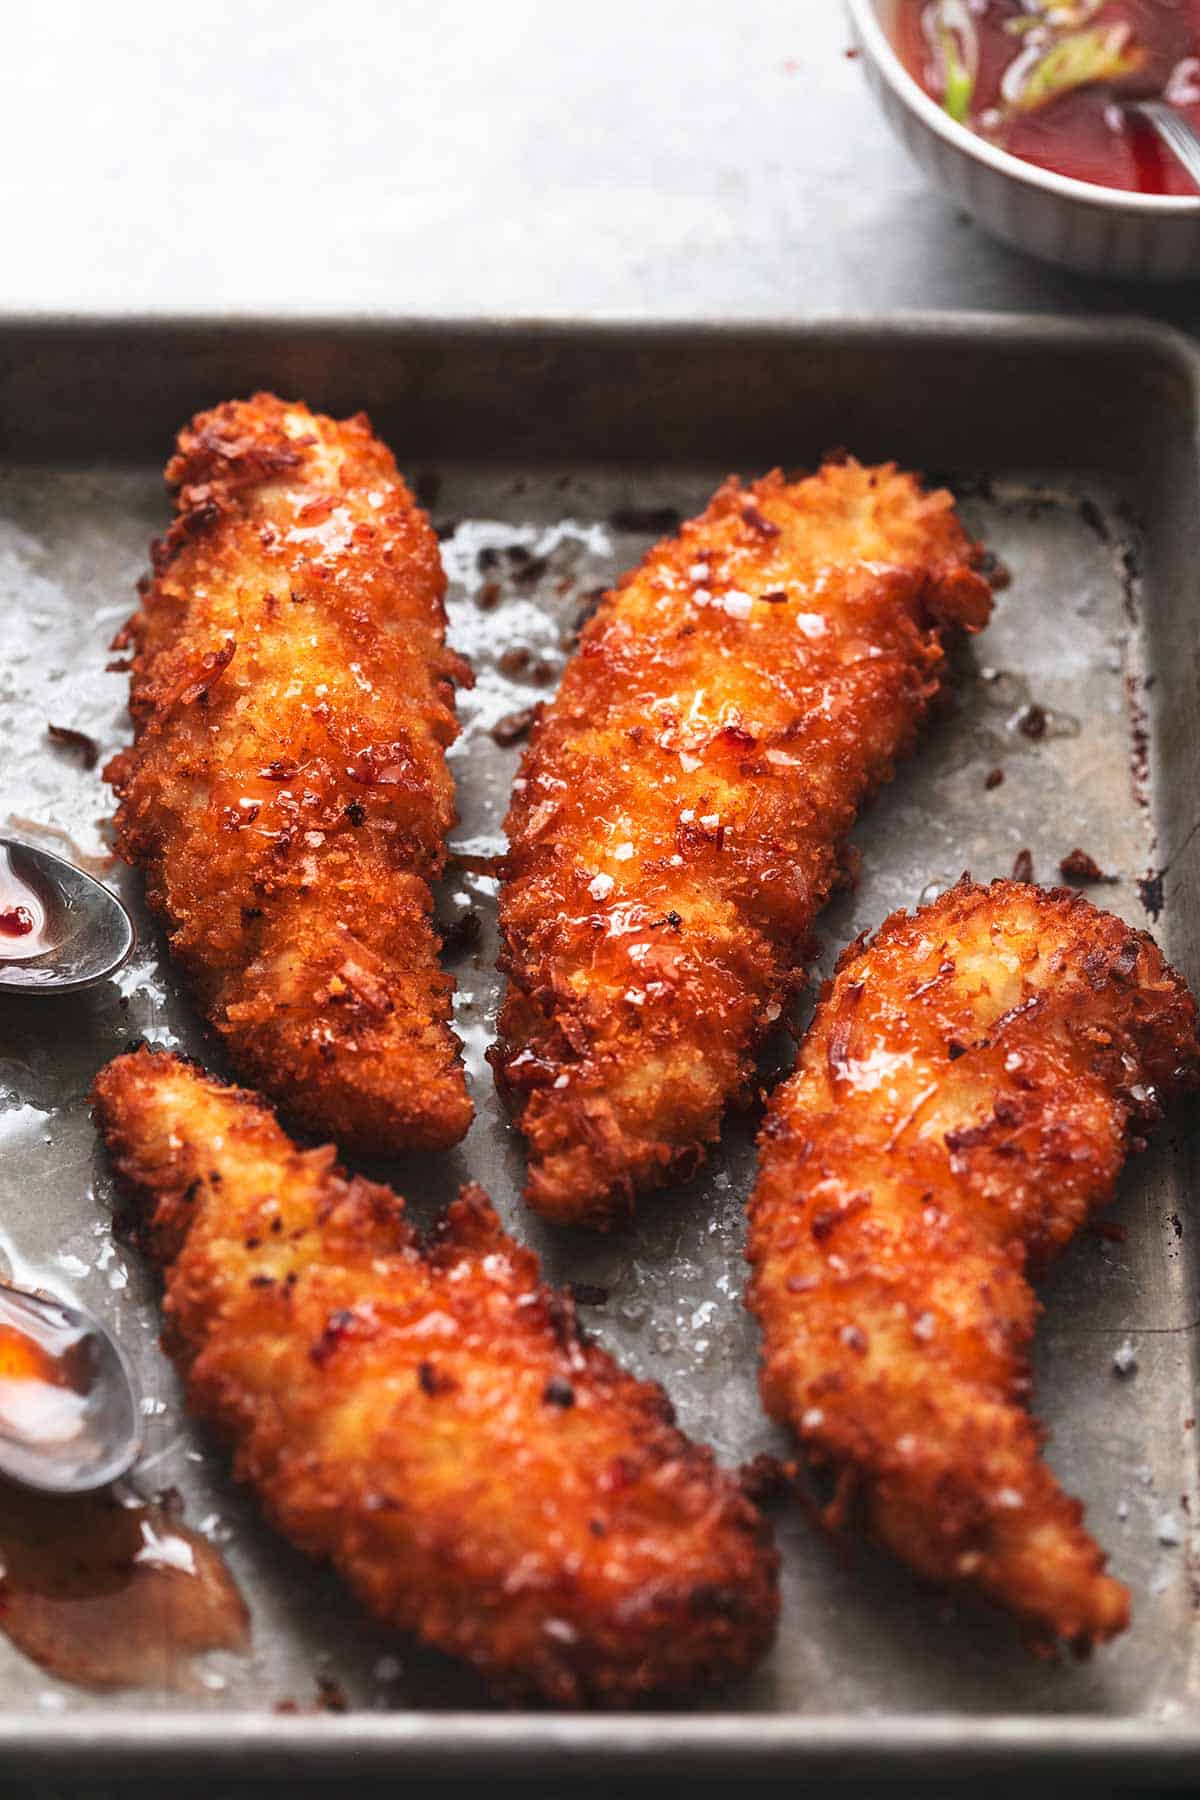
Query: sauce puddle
[[109, 1591]]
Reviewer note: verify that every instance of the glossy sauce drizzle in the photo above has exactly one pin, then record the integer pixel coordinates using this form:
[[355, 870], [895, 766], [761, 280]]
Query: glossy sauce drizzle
[[109, 1591]]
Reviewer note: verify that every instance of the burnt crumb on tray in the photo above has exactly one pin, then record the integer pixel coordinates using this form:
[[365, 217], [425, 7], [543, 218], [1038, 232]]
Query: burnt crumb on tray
[[520, 663], [460, 934], [514, 726], [1033, 722], [1077, 866], [766, 1477], [996, 573], [588, 1293], [1022, 869], [1150, 891], [993, 779], [79, 742]]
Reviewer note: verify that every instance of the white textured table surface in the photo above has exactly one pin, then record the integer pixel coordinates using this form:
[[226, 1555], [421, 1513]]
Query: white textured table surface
[[666, 157]]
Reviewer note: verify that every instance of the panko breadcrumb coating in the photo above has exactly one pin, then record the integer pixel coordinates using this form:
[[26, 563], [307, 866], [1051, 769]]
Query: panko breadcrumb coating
[[682, 809], [429, 1419], [287, 794], [963, 1104]]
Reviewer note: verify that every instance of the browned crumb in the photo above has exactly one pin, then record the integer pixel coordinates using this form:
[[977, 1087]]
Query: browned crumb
[[1077, 865], [84, 746]]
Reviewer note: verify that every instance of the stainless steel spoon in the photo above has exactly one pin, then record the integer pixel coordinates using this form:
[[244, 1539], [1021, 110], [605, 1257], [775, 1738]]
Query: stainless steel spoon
[[69, 1415], [1172, 130], [59, 929]]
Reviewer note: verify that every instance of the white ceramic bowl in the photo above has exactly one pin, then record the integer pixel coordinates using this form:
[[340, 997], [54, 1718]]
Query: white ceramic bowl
[[1096, 230]]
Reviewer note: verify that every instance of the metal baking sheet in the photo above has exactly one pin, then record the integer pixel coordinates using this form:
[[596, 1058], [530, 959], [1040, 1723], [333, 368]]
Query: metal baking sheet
[[547, 455]]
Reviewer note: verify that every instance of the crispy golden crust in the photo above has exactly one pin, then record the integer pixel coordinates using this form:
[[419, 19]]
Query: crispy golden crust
[[683, 805], [430, 1421], [963, 1104], [287, 793]]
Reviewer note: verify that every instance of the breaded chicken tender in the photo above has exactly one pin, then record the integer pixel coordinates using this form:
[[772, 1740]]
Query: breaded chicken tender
[[963, 1104], [287, 794], [429, 1420], [682, 809]]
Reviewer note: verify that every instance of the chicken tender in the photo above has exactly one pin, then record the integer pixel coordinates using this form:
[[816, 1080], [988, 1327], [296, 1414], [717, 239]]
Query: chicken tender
[[682, 809], [963, 1104], [430, 1420], [287, 794]]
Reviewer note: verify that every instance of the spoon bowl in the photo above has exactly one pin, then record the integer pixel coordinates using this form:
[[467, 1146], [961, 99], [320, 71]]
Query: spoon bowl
[[69, 1416], [60, 930]]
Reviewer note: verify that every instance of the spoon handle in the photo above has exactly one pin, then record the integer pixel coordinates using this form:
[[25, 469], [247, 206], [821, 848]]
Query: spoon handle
[[1173, 130]]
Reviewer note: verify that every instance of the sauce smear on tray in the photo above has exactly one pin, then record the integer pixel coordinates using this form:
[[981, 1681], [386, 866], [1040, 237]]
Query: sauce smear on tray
[[1047, 79], [109, 1591]]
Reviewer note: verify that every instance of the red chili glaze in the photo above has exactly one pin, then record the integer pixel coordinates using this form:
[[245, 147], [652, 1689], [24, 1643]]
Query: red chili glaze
[[1082, 132]]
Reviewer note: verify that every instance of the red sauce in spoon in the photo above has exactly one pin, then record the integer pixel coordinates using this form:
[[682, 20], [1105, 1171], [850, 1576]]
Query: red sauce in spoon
[[1047, 81], [23, 916]]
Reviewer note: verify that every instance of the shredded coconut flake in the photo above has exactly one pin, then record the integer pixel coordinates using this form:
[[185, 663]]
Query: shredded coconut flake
[[600, 887]]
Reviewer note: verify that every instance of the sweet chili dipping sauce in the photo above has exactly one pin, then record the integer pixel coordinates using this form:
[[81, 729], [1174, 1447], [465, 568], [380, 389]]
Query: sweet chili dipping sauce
[[22, 915], [1046, 79]]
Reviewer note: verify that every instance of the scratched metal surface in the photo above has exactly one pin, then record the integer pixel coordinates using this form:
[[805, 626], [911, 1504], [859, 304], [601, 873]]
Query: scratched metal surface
[[1095, 615]]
